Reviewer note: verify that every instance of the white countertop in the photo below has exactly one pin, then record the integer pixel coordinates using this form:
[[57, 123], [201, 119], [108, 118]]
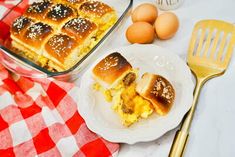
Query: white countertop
[[212, 131]]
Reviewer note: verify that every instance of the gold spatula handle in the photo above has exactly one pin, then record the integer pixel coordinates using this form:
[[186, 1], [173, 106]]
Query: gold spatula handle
[[179, 144], [181, 137]]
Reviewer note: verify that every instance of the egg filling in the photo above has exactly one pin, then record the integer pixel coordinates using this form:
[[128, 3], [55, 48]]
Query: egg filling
[[126, 102], [130, 106]]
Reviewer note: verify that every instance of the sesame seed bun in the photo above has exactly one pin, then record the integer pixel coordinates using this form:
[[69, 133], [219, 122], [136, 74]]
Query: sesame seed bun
[[80, 28], [110, 70], [158, 91], [38, 10]]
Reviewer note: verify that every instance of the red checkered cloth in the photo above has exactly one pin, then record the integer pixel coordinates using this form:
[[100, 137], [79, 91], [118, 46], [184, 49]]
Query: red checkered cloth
[[40, 116]]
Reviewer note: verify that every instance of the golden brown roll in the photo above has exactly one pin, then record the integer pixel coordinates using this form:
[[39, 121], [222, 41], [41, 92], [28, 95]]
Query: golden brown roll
[[38, 10], [113, 69], [158, 91], [59, 14], [62, 50], [60, 19], [80, 28], [100, 13], [72, 3], [95, 8], [30, 37], [36, 35], [19, 26]]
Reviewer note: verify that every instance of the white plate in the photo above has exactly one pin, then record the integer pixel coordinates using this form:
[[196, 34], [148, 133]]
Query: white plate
[[101, 119]]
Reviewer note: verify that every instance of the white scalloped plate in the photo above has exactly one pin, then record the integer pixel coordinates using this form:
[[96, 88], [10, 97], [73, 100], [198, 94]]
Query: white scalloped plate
[[101, 119]]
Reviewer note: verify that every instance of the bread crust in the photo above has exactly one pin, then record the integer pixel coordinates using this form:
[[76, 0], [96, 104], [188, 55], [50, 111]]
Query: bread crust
[[36, 34], [111, 68], [73, 3], [20, 25], [38, 10], [95, 8], [80, 28], [158, 90], [60, 46]]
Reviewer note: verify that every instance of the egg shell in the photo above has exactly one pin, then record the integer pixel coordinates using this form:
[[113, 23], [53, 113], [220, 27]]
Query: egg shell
[[145, 12], [140, 32], [166, 25]]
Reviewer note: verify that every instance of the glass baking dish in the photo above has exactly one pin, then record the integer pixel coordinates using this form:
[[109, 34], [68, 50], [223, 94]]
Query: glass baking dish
[[27, 68]]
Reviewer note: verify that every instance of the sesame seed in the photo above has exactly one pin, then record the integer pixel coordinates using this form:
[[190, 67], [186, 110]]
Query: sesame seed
[[109, 62], [80, 26], [20, 23], [61, 44], [38, 7], [161, 89], [38, 30], [59, 11], [95, 7]]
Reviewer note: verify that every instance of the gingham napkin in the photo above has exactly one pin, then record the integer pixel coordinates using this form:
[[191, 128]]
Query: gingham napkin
[[39, 117]]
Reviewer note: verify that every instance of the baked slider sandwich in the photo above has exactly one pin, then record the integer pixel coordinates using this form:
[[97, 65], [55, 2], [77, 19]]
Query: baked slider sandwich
[[62, 51], [72, 3], [29, 37], [58, 15], [19, 26], [114, 72], [158, 91], [82, 30], [115, 78], [38, 10], [100, 13]]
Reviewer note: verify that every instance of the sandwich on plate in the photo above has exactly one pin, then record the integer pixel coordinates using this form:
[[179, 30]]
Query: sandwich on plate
[[116, 78]]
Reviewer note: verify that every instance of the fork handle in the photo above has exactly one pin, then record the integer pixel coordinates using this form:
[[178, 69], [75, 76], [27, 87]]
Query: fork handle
[[179, 143], [181, 137]]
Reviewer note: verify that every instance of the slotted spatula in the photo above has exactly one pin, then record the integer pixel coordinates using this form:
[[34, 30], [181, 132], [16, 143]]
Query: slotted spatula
[[209, 54]]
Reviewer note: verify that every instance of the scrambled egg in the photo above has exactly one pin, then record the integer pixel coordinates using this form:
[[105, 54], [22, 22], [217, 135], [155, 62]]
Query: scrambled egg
[[130, 106], [106, 93], [127, 103]]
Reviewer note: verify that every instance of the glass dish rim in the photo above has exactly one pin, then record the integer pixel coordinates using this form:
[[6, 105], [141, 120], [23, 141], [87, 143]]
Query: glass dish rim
[[54, 74]]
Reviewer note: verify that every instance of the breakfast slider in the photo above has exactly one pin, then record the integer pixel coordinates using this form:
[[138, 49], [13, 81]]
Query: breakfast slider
[[83, 31], [33, 37], [115, 78], [100, 13], [58, 15], [62, 51], [19, 26], [29, 38], [38, 10], [72, 3], [158, 91], [114, 70]]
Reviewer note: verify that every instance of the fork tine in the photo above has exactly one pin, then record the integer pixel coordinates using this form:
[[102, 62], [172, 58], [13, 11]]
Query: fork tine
[[201, 40], [214, 44], [222, 46]]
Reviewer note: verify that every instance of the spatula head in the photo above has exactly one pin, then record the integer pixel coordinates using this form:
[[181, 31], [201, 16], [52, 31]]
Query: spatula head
[[211, 44]]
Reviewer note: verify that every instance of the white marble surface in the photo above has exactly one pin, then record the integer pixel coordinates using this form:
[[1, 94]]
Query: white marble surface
[[213, 128]]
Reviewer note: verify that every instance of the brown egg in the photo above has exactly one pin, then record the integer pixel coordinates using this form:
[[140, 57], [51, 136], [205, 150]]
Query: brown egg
[[145, 12], [166, 25], [140, 32]]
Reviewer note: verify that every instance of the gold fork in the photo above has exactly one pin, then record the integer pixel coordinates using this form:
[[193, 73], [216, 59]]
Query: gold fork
[[209, 54]]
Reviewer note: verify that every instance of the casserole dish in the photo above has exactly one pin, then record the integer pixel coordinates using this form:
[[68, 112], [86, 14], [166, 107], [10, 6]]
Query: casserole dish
[[22, 66]]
